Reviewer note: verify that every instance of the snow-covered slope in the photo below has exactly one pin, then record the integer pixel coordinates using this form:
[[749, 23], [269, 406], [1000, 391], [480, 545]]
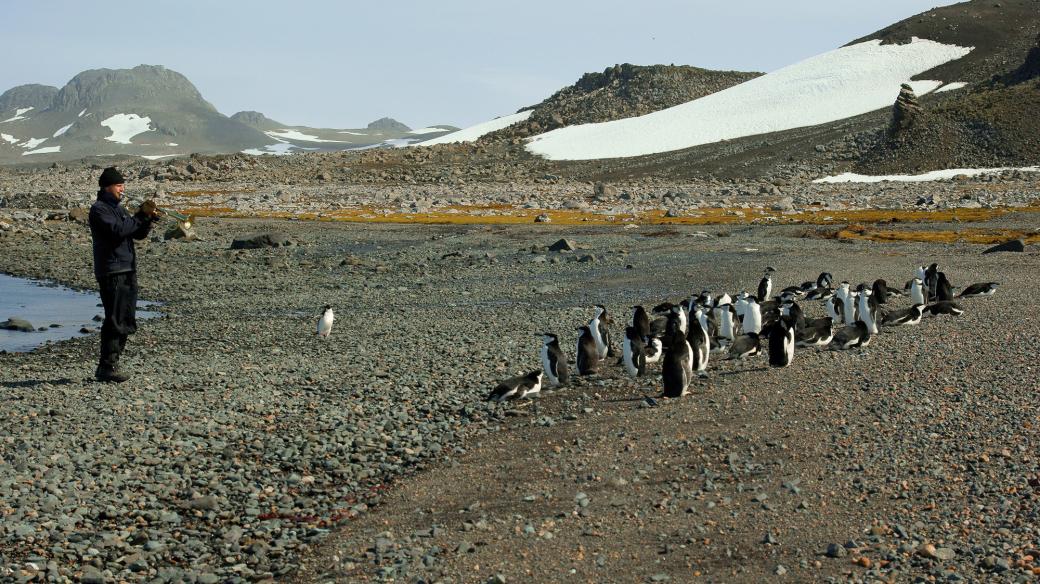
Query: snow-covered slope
[[471, 133], [839, 84]]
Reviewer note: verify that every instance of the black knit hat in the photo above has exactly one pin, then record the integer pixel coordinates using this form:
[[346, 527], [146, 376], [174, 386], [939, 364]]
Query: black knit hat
[[110, 176]]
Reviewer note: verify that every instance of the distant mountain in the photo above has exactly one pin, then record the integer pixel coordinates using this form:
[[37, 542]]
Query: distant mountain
[[388, 125], [153, 112], [26, 96]]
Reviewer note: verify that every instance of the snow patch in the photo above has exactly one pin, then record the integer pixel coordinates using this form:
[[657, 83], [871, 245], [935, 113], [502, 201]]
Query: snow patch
[[287, 134], [62, 130], [81, 113], [352, 133], [839, 84], [126, 126], [18, 114], [951, 87], [47, 150], [157, 156], [429, 130], [9, 138], [172, 144], [471, 133], [949, 173], [32, 143], [400, 142], [280, 149]]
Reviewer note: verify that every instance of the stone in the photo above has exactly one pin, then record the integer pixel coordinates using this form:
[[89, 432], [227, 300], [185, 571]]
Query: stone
[[17, 324], [270, 239], [564, 245], [1015, 245], [543, 218], [836, 551]]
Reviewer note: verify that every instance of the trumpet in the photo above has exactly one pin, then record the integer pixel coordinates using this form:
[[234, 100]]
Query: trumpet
[[184, 220]]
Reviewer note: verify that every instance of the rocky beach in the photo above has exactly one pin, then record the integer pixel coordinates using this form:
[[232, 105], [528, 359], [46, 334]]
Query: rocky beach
[[247, 449]]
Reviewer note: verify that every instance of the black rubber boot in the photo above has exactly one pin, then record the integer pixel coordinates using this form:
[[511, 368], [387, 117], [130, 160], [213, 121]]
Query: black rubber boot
[[108, 366]]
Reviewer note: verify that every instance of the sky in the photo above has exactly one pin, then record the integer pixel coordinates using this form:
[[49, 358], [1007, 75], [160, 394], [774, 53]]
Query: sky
[[342, 64]]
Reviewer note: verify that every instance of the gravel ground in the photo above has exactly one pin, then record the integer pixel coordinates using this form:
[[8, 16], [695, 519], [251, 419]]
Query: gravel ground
[[245, 448]]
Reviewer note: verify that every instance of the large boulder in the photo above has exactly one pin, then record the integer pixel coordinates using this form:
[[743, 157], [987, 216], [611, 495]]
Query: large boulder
[[270, 239], [17, 324], [1013, 245]]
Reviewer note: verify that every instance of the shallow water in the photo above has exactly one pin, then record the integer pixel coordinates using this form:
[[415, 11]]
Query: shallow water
[[45, 304]]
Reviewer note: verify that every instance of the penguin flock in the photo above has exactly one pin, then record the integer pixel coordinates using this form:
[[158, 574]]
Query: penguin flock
[[685, 336]]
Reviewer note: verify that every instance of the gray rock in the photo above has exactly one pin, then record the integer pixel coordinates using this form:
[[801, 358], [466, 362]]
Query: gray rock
[[1015, 245], [270, 239], [17, 324], [564, 245]]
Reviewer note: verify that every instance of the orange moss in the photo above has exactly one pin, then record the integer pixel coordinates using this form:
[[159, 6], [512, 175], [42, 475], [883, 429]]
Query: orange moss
[[988, 236], [503, 214]]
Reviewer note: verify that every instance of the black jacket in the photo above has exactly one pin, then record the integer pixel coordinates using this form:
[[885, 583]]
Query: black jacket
[[113, 230]]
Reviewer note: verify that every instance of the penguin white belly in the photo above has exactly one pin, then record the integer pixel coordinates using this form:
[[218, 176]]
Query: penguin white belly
[[601, 344], [654, 350], [626, 356], [547, 366]]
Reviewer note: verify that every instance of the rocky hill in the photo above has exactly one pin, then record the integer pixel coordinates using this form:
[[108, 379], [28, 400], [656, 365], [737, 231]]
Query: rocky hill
[[622, 91], [27, 96], [994, 124]]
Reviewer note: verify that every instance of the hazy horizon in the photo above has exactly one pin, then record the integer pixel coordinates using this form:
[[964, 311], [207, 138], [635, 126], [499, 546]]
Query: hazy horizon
[[454, 62]]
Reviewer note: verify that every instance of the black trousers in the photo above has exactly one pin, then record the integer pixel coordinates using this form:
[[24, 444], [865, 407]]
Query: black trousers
[[119, 297]]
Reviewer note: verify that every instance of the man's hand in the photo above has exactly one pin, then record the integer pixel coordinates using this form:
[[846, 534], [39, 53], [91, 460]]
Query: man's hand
[[149, 209]]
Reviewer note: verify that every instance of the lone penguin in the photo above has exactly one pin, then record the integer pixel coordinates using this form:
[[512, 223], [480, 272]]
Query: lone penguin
[[633, 352], [554, 363], [781, 343], [677, 367], [517, 387], [325, 322], [587, 355]]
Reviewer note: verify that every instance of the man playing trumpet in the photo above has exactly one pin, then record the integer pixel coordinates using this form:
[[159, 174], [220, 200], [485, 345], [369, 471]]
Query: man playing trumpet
[[113, 231]]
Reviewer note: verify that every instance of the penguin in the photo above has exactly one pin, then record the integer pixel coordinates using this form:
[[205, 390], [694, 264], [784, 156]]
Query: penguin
[[587, 355], [849, 306], [325, 323], [724, 299], [740, 306], [931, 280], [834, 308], [917, 291], [641, 322], [815, 333], [706, 318], [781, 343], [752, 317], [633, 352], [910, 315], [554, 362], [824, 280], [600, 334], [725, 317], [983, 289], [517, 387], [654, 349], [793, 311], [680, 319], [945, 307], [855, 335], [819, 294], [943, 289], [879, 292], [700, 344], [765, 286], [744, 346], [793, 291], [677, 367], [867, 313]]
